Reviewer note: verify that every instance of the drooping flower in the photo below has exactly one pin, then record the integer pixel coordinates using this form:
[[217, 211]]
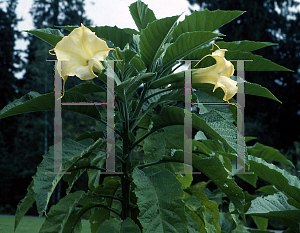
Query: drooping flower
[[83, 50], [218, 74]]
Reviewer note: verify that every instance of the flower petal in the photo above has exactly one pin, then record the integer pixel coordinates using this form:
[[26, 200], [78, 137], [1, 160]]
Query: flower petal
[[229, 87], [218, 74], [83, 49]]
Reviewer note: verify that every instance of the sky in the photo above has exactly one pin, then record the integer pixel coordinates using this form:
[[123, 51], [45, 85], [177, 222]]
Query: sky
[[103, 12]]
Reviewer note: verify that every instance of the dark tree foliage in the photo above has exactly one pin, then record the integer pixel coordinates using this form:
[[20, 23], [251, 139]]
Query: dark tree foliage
[[272, 123], [10, 62], [30, 135]]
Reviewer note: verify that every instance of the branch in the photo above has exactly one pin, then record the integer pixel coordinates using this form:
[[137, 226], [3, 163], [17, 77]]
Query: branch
[[88, 167], [150, 96], [155, 163], [104, 195], [141, 139]]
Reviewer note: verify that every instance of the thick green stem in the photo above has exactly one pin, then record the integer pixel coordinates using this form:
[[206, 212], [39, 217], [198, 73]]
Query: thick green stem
[[138, 108], [126, 167]]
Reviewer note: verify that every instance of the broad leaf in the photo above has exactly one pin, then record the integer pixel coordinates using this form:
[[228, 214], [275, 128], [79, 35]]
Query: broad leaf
[[171, 115], [119, 37], [99, 215], [261, 223], [24, 205], [51, 36], [110, 226], [129, 225], [283, 180], [205, 21], [210, 206], [141, 14], [214, 169], [44, 184], [258, 90], [159, 197], [244, 45], [185, 44], [268, 153], [153, 39], [269, 189], [34, 102], [275, 207], [168, 79], [258, 64], [59, 213]]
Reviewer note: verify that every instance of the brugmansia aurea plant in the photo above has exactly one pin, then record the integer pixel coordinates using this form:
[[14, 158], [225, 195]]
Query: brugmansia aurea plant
[[148, 195]]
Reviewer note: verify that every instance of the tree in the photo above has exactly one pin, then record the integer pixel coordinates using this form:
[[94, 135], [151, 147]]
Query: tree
[[10, 62], [273, 21], [32, 129]]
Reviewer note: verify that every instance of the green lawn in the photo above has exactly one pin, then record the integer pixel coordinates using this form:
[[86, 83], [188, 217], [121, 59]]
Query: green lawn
[[29, 225]]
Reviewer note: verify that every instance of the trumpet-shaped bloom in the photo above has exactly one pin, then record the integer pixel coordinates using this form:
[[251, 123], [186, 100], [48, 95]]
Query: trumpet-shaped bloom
[[218, 74], [83, 50]]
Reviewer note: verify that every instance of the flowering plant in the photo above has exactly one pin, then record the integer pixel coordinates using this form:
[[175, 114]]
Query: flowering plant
[[155, 193]]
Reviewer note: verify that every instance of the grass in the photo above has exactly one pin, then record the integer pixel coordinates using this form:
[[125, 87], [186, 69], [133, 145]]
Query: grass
[[29, 225]]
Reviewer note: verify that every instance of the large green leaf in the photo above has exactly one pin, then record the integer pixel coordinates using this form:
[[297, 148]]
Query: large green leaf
[[185, 44], [283, 180], [141, 14], [268, 153], [153, 39], [33, 102], [51, 36], [44, 184], [275, 207], [59, 213], [154, 98], [130, 85], [94, 175], [159, 198], [124, 66], [96, 158], [205, 21], [258, 64], [110, 226], [244, 46], [129, 225], [99, 215], [261, 223], [24, 205], [164, 81], [258, 90], [171, 115], [119, 37], [214, 169], [210, 206], [218, 120]]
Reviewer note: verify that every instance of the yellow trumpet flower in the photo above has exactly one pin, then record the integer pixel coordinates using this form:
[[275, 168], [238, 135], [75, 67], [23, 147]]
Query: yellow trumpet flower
[[84, 50], [218, 74]]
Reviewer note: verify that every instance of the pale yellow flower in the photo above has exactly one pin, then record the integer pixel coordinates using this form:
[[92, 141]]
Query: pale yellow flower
[[218, 74], [83, 50]]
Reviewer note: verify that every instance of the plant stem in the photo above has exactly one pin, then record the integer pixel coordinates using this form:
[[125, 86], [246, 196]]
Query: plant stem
[[150, 96], [140, 105], [141, 139], [126, 167], [104, 195], [155, 163]]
